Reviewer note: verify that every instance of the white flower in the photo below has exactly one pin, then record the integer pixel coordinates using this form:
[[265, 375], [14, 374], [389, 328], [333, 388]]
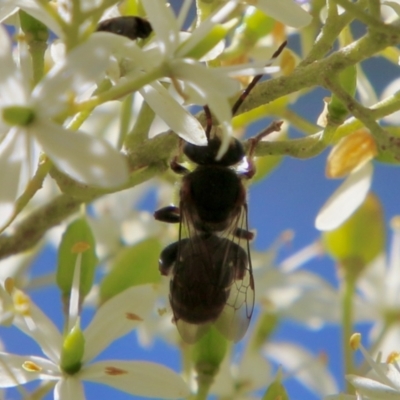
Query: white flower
[[169, 55], [26, 124], [115, 318], [310, 370], [382, 382]]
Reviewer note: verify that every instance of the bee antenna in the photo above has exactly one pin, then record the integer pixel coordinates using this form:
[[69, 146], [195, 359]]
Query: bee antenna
[[255, 80]]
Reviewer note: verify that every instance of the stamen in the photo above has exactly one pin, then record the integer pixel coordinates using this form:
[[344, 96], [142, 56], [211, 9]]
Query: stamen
[[114, 371], [22, 302], [80, 247], [30, 366], [133, 317]]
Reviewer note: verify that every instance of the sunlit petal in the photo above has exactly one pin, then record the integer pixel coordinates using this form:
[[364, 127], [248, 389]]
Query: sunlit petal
[[69, 388], [373, 389], [177, 118], [72, 75], [41, 328], [12, 157], [138, 378], [12, 88], [117, 317], [164, 24], [83, 157], [13, 374], [345, 200]]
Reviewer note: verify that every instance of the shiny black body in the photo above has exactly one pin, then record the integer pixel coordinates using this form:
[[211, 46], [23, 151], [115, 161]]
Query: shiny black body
[[130, 26], [199, 293]]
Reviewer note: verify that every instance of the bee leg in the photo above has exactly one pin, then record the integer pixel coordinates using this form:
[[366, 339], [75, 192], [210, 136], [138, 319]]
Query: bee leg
[[168, 258], [243, 234], [178, 168], [170, 214], [275, 126]]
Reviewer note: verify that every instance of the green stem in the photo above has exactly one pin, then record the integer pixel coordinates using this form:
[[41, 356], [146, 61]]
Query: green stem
[[348, 290]]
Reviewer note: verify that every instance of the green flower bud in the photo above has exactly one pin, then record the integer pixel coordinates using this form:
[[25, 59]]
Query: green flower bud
[[72, 351], [18, 115], [135, 265], [207, 355], [348, 81], [78, 238]]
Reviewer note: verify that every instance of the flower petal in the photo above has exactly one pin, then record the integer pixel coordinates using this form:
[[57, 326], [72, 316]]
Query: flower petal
[[13, 374], [67, 388], [40, 328], [164, 24], [116, 317], [373, 389], [177, 118], [285, 11], [72, 75], [138, 378], [311, 371], [345, 200], [12, 88], [85, 158], [12, 156]]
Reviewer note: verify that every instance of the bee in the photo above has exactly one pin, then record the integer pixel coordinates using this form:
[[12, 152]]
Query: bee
[[210, 265], [130, 26]]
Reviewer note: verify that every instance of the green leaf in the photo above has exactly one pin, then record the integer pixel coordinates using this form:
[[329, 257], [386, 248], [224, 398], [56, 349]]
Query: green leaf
[[361, 237], [135, 265], [78, 232]]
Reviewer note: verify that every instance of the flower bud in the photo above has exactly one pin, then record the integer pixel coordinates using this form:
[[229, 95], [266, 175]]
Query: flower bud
[[348, 81], [351, 152], [78, 238], [361, 237], [72, 351]]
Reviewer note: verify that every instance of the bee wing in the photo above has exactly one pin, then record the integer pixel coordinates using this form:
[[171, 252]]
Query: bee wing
[[236, 315]]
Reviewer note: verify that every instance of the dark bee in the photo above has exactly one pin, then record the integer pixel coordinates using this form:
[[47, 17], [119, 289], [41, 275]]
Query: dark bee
[[210, 265], [130, 26]]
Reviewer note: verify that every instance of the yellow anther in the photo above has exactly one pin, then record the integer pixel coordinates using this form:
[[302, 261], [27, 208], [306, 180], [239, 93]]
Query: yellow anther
[[393, 357], [22, 302], [395, 223], [30, 366], [355, 340], [80, 247]]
